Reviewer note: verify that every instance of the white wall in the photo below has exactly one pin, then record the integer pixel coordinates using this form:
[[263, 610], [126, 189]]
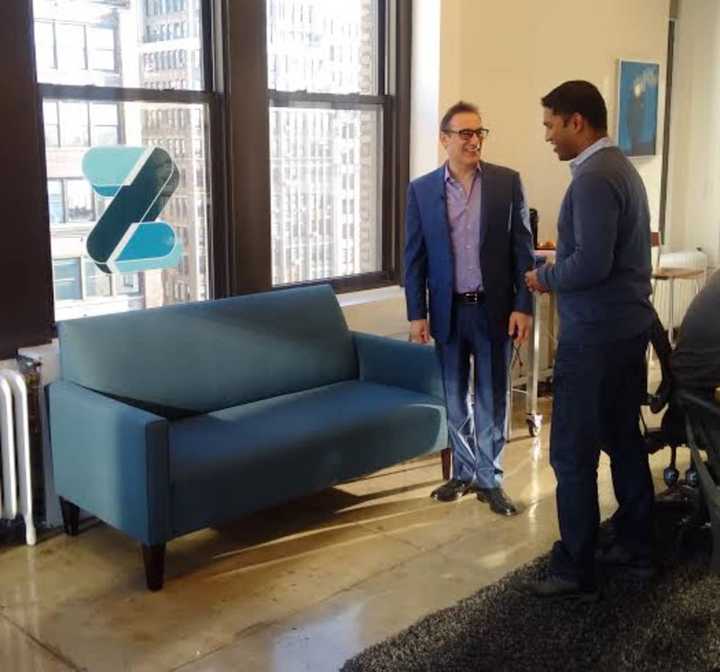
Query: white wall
[[693, 215], [425, 86], [506, 55]]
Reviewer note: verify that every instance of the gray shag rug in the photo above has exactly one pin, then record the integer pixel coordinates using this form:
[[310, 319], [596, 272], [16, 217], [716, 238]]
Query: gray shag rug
[[671, 623]]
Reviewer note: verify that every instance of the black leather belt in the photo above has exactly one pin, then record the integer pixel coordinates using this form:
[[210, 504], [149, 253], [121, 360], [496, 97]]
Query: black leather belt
[[469, 297]]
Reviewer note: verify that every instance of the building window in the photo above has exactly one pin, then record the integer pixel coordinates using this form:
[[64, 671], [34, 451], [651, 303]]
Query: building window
[[105, 124], [101, 48], [100, 79], [45, 45], [66, 279], [327, 105], [74, 131], [79, 200], [56, 202], [97, 283]]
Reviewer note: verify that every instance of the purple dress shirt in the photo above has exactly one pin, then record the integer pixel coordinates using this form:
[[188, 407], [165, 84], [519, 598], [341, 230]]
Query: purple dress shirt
[[463, 211]]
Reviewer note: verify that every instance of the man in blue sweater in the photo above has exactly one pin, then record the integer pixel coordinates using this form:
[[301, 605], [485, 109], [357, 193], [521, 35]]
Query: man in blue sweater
[[601, 277]]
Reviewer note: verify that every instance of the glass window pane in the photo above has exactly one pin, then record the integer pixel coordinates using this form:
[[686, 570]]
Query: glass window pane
[[101, 48], [66, 279], [104, 113], [45, 45], [71, 47], [55, 201], [74, 124], [128, 283], [325, 172], [104, 119], [145, 125], [50, 119], [323, 46], [79, 200], [94, 37], [97, 283]]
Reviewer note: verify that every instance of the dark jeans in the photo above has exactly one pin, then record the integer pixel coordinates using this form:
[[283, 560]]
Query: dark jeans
[[598, 390], [477, 430]]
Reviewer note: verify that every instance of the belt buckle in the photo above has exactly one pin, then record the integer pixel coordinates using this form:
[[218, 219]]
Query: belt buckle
[[471, 297]]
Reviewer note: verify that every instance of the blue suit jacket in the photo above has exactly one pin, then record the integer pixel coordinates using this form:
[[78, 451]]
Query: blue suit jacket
[[506, 250]]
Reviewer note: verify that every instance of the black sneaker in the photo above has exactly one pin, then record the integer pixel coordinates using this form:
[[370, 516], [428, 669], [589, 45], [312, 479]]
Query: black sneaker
[[554, 588], [618, 559], [452, 490]]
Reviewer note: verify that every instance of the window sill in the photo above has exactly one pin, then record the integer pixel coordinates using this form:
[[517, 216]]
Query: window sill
[[370, 295]]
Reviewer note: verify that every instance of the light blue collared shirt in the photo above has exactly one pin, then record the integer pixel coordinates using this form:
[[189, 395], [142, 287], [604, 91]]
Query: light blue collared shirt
[[589, 151], [463, 211]]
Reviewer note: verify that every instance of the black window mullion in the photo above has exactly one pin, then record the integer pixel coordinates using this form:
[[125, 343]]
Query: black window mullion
[[382, 47], [111, 93], [341, 101]]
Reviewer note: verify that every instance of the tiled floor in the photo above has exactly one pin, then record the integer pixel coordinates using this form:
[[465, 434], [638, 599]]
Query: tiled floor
[[301, 587]]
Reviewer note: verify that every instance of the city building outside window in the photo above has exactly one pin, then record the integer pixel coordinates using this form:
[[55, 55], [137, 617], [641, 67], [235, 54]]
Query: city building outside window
[[122, 73], [327, 107]]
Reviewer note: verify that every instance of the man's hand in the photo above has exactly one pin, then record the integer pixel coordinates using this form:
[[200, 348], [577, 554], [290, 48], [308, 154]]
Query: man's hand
[[519, 327], [533, 282], [419, 331]]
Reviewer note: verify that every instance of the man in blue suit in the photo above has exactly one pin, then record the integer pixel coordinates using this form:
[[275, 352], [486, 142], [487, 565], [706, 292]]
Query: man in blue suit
[[468, 245]]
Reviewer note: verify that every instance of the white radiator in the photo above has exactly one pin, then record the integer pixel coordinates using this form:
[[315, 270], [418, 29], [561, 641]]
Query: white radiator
[[16, 488], [685, 290]]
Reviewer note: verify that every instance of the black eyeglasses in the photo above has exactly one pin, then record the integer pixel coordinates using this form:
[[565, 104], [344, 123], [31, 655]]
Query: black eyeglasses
[[468, 133]]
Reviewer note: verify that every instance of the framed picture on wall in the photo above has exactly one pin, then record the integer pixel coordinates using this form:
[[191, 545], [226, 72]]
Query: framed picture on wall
[[638, 94]]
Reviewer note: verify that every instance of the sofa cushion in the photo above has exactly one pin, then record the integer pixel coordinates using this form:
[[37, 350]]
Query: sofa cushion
[[193, 358], [248, 457]]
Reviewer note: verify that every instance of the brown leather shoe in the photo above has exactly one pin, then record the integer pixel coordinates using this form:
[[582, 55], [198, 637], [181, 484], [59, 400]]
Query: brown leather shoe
[[499, 501], [452, 490]]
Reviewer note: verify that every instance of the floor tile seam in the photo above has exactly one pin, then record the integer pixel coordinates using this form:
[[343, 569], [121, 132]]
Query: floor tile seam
[[52, 651]]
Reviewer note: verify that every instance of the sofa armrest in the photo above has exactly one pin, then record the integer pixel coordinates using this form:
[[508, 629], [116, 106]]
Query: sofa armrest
[[399, 363], [111, 459]]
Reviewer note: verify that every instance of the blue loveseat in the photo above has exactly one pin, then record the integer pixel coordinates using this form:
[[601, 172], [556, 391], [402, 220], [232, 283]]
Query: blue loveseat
[[174, 419]]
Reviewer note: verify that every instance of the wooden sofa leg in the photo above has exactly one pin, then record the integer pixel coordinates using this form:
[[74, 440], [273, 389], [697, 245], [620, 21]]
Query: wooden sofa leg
[[71, 517], [446, 459], [154, 559]]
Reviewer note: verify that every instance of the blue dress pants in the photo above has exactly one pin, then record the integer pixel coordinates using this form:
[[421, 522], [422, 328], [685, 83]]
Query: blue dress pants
[[598, 390], [476, 425]]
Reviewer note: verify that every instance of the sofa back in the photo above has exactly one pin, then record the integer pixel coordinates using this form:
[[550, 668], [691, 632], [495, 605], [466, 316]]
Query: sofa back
[[199, 357]]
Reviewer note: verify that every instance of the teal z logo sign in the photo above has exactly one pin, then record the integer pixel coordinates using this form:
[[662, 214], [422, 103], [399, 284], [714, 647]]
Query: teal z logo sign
[[128, 237]]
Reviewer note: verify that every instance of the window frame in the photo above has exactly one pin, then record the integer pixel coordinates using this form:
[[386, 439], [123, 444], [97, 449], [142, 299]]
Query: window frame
[[51, 93], [390, 14], [238, 245]]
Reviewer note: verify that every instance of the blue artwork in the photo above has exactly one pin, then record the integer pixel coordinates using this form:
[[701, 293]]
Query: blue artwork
[[128, 237], [638, 107]]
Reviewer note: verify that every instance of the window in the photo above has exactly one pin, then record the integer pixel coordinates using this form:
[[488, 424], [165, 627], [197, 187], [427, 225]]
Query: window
[[45, 45], [101, 48], [79, 200], [90, 101], [128, 283], [327, 106], [71, 46], [97, 283], [56, 201], [85, 42], [52, 127], [105, 124], [74, 124], [66, 279]]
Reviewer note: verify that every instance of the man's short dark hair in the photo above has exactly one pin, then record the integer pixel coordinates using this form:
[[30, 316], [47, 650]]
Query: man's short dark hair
[[458, 108], [578, 96]]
